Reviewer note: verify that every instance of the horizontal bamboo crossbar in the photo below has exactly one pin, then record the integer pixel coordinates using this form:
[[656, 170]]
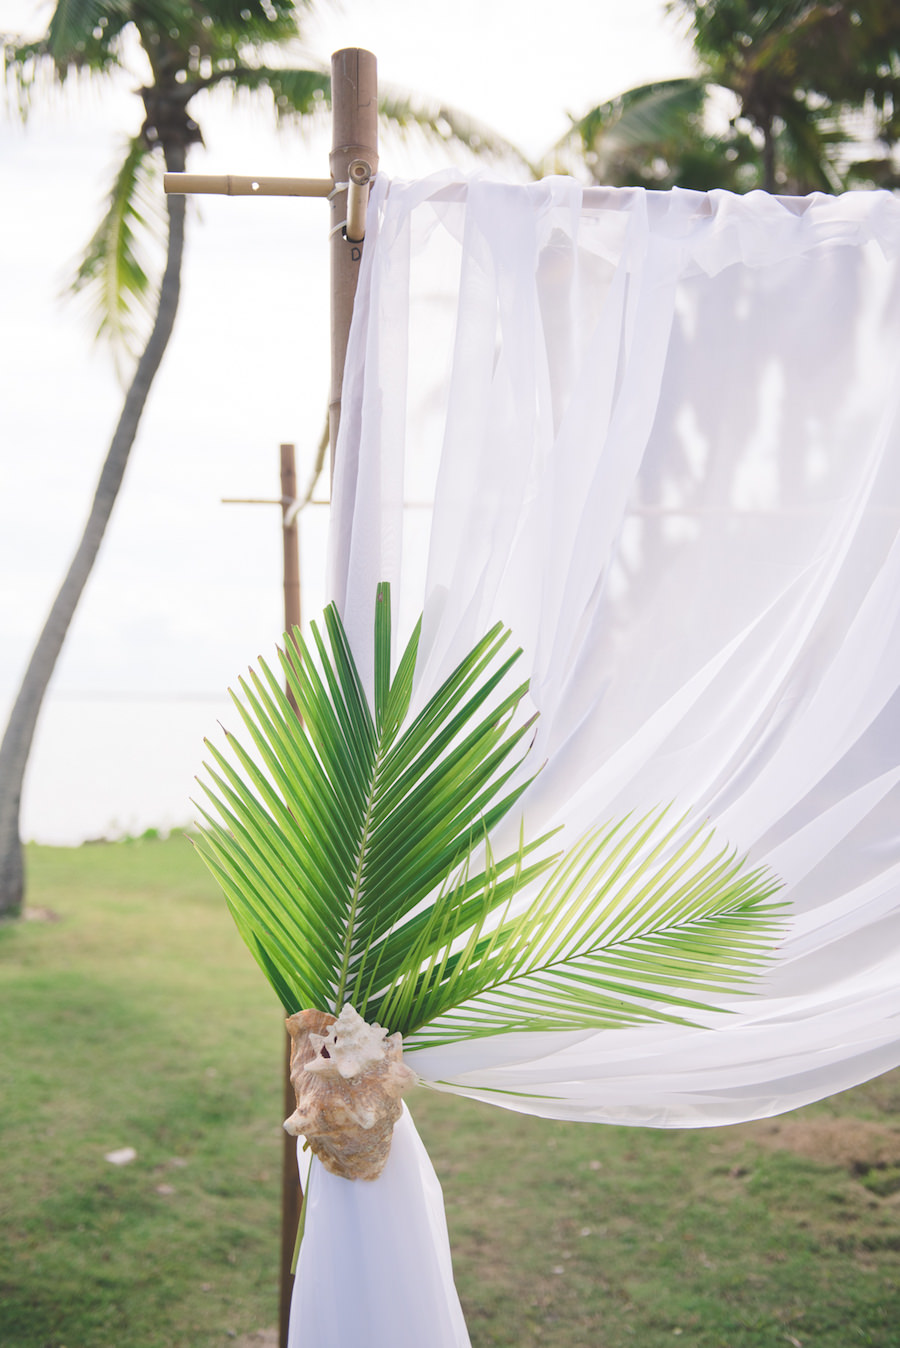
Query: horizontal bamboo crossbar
[[237, 185]]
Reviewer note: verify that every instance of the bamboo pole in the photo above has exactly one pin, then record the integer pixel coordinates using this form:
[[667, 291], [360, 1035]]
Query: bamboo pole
[[244, 185], [354, 159], [353, 162], [354, 104], [290, 531]]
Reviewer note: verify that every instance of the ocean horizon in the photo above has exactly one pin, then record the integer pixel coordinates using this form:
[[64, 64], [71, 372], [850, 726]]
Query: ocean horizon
[[105, 766]]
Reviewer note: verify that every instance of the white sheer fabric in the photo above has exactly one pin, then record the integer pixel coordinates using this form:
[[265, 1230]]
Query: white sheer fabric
[[374, 1269], [660, 433]]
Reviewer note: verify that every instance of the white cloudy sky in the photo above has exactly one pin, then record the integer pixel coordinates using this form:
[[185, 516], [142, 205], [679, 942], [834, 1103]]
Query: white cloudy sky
[[186, 590]]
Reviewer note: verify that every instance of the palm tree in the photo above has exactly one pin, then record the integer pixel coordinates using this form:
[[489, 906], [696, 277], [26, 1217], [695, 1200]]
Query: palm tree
[[190, 50], [807, 79]]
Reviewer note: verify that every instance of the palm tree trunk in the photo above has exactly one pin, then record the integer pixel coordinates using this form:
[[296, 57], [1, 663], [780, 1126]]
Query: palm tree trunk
[[768, 156], [17, 740]]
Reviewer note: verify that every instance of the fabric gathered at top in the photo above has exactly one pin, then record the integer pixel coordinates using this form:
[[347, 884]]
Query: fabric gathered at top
[[657, 435]]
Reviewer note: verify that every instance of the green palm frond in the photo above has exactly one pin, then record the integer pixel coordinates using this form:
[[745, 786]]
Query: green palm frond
[[336, 833], [643, 116], [305, 91], [296, 92], [118, 267], [253, 21], [808, 144], [81, 38], [79, 32], [440, 122], [638, 922], [346, 846], [645, 121]]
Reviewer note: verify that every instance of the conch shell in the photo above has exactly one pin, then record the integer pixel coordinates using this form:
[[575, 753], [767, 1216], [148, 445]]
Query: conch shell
[[348, 1078]]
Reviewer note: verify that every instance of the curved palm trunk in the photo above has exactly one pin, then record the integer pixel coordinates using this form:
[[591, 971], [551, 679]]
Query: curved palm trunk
[[19, 734], [768, 156]]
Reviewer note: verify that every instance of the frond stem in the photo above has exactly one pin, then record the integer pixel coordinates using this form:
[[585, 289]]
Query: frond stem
[[356, 891]]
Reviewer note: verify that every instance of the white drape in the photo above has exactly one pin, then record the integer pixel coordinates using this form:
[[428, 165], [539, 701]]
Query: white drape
[[660, 434], [374, 1268]]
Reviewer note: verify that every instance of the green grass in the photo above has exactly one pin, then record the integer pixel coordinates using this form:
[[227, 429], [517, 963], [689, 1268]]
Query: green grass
[[138, 1019]]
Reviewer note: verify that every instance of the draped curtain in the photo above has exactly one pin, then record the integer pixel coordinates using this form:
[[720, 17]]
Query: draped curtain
[[656, 434], [660, 435]]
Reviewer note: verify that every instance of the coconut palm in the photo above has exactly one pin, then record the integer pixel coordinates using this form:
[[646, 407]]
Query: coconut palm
[[816, 89], [354, 851], [190, 50]]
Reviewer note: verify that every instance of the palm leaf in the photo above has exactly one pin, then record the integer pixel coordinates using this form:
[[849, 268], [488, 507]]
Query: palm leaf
[[81, 38], [808, 142], [640, 921], [442, 123], [118, 266], [249, 21], [80, 33], [346, 845], [643, 116], [641, 121], [335, 837], [296, 92], [301, 92]]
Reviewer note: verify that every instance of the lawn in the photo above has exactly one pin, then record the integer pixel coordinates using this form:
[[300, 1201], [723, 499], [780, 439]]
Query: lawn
[[131, 1016]]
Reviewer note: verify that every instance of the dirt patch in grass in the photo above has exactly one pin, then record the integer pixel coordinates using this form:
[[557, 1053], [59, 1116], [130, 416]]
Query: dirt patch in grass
[[39, 915], [260, 1338], [856, 1145]]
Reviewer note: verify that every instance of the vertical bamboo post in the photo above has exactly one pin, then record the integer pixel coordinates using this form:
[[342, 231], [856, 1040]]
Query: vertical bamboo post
[[354, 110], [354, 107], [291, 1193], [290, 530]]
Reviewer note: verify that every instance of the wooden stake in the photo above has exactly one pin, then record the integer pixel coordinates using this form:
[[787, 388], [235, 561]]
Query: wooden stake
[[291, 1193], [354, 106]]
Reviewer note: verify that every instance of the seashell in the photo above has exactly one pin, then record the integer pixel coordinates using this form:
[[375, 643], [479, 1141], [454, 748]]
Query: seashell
[[348, 1077]]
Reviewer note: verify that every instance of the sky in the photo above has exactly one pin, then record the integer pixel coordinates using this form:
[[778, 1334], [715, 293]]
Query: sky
[[186, 591]]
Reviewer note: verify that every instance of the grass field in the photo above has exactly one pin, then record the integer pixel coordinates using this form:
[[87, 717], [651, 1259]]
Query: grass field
[[131, 1016]]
